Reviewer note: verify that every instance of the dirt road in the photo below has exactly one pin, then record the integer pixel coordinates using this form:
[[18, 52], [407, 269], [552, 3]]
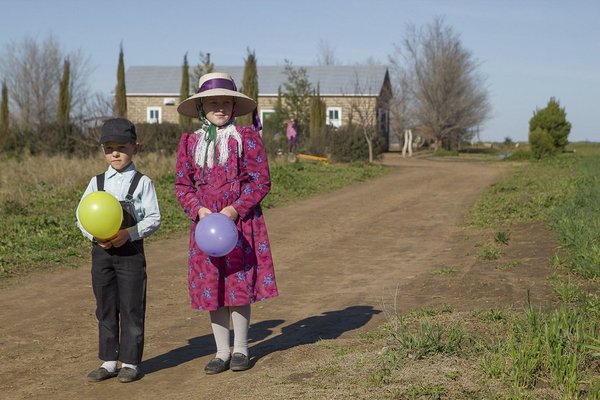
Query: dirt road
[[339, 257]]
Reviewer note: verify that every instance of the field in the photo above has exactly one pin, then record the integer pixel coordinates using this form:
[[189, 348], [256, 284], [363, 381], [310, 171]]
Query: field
[[454, 277]]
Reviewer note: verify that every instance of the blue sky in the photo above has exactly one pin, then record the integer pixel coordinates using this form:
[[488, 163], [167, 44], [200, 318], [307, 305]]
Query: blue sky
[[528, 50]]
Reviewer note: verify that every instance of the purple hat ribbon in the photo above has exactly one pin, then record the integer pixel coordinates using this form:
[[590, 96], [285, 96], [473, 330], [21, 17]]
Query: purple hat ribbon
[[217, 83]]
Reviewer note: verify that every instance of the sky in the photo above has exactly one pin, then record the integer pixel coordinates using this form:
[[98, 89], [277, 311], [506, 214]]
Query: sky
[[528, 51]]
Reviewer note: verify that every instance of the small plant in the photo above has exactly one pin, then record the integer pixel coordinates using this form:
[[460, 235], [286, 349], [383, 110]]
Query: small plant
[[493, 315], [427, 389], [507, 266], [502, 237], [444, 271], [490, 252], [568, 291]]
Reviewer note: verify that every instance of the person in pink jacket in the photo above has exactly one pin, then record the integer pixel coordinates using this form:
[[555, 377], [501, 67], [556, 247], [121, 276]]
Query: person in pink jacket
[[292, 134], [223, 168]]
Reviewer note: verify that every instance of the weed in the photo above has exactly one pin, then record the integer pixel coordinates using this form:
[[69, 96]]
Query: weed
[[507, 266], [444, 271], [490, 252], [427, 389], [502, 237]]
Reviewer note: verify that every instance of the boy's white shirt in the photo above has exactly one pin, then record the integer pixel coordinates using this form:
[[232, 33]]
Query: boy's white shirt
[[147, 210]]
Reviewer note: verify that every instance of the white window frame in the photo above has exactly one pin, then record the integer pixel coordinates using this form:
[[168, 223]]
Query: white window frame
[[265, 111], [149, 111], [337, 122]]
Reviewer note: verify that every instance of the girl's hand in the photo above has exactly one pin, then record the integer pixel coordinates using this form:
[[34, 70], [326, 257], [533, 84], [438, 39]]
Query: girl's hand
[[203, 212], [230, 212], [121, 238]]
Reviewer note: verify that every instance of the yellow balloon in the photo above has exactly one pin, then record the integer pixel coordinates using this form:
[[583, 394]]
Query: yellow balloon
[[101, 214]]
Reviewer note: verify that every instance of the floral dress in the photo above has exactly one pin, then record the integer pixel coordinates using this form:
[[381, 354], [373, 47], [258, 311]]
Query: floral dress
[[245, 275]]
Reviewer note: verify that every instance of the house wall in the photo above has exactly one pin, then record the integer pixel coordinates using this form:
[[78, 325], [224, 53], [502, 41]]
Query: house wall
[[345, 103], [137, 106]]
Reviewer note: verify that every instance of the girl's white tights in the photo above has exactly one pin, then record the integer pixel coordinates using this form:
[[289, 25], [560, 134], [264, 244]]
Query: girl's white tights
[[240, 316]]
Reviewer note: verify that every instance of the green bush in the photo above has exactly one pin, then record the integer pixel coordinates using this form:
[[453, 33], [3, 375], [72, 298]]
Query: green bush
[[348, 144], [553, 120], [541, 143], [518, 155]]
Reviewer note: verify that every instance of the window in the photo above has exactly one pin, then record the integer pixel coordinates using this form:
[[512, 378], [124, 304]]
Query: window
[[266, 114], [153, 115], [334, 116], [267, 118]]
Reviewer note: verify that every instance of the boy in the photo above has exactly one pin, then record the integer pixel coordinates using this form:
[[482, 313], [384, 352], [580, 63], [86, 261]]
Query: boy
[[118, 263]]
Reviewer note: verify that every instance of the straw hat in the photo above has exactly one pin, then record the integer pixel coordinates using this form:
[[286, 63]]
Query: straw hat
[[216, 84]]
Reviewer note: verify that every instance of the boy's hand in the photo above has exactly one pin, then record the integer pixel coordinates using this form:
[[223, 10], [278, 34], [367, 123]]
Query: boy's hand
[[105, 244], [203, 212], [121, 238], [230, 212]]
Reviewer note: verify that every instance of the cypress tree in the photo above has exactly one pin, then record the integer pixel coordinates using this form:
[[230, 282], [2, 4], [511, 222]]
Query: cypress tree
[[4, 125], [64, 96], [184, 92], [205, 67], [317, 113], [120, 91], [249, 85]]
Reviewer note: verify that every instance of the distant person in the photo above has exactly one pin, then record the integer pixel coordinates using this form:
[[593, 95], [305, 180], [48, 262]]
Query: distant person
[[119, 263], [223, 168], [292, 134]]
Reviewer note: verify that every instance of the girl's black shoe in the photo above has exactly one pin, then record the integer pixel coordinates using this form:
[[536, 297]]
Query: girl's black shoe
[[216, 366], [239, 362]]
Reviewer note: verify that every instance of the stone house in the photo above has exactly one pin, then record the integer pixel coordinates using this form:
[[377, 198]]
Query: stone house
[[153, 92]]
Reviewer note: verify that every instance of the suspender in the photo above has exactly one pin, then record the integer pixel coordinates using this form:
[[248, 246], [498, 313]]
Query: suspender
[[136, 179]]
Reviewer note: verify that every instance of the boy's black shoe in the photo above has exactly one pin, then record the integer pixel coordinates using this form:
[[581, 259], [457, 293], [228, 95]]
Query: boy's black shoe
[[100, 374], [239, 362], [129, 375], [216, 366]]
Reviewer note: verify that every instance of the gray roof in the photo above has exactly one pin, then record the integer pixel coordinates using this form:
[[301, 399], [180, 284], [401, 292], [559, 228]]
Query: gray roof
[[333, 80]]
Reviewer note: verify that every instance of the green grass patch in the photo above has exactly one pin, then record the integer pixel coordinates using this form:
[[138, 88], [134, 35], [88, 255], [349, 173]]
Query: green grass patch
[[577, 220], [529, 192]]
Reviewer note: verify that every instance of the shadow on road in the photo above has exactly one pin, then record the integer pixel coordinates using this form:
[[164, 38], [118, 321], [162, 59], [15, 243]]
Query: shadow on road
[[328, 325]]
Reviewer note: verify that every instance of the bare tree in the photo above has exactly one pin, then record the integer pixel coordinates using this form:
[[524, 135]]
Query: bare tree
[[32, 71], [364, 113], [441, 77], [326, 54]]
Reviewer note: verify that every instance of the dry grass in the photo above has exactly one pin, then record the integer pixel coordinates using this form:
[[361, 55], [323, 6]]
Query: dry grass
[[19, 177]]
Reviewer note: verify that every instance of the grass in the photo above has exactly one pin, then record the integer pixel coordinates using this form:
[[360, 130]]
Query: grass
[[39, 195]]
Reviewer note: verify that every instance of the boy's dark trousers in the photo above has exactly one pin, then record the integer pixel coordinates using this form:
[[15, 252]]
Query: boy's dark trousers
[[119, 283]]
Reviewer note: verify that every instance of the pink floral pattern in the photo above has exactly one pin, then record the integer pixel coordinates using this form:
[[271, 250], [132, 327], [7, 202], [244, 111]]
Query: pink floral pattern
[[245, 275]]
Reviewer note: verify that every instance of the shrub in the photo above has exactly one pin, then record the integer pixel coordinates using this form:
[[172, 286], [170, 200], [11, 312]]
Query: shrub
[[541, 143], [348, 144], [553, 120], [520, 154]]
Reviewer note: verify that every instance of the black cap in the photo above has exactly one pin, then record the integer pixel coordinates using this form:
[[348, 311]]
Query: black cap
[[118, 130]]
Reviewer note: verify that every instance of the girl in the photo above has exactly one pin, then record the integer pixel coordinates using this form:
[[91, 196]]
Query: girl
[[223, 168]]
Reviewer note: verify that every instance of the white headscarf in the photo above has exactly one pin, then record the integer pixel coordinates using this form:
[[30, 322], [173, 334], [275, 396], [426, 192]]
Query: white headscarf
[[221, 142]]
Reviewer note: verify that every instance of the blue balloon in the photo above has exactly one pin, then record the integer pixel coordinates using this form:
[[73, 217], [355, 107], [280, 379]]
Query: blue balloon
[[216, 235]]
